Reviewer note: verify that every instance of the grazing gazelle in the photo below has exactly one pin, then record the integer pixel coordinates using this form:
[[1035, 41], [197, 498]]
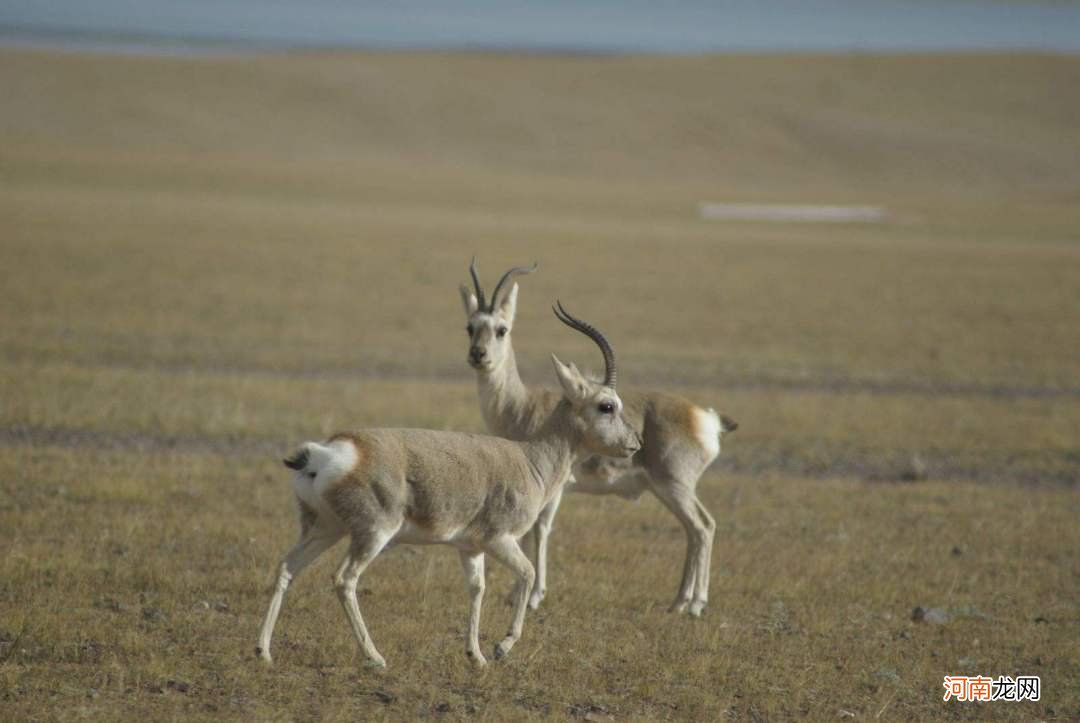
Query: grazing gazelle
[[477, 493], [680, 439]]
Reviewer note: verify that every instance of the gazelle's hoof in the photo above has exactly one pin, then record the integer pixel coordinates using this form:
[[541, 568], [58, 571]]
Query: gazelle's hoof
[[697, 608], [536, 598], [377, 662], [264, 656], [679, 607], [476, 658], [503, 649]]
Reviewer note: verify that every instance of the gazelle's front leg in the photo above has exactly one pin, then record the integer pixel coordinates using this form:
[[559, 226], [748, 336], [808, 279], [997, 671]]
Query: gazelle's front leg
[[313, 543], [472, 564], [507, 551], [541, 531]]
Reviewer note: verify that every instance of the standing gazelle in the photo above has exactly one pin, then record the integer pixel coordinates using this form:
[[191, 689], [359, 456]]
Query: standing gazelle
[[680, 439], [476, 493]]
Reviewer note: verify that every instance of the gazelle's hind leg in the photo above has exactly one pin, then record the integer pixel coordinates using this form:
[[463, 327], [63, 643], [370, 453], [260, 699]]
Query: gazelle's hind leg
[[313, 542], [472, 564], [541, 531], [701, 584], [507, 551], [699, 526], [362, 550]]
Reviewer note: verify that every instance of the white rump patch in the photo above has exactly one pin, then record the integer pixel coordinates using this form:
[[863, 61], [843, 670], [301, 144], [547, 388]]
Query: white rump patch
[[707, 426], [338, 458], [329, 463]]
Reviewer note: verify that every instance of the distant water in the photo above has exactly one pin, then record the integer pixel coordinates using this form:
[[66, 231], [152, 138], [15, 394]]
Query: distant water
[[650, 26]]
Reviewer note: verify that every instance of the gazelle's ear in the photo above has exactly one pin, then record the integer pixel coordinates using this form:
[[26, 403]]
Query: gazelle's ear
[[575, 386], [508, 305], [469, 299]]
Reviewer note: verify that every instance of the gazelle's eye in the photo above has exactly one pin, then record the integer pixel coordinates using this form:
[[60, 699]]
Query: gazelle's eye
[[469, 330], [606, 408], [501, 332], [312, 475]]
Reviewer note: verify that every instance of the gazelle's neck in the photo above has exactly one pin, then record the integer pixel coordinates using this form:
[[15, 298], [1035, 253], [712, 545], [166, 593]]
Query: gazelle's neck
[[504, 399], [555, 446]]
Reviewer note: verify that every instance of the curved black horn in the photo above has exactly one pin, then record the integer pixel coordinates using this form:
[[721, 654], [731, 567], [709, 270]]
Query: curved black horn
[[594, 334], [516, 271], [476, 284]]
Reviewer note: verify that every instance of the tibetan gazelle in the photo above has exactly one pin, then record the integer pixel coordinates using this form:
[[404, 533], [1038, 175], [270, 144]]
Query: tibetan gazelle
[[680, 439], [476, 493]]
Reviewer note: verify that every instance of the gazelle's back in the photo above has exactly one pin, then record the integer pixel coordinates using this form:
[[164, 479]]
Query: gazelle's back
[[443, 485]]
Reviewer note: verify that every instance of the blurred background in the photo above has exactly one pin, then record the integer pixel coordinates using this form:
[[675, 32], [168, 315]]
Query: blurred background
[[852, 226]]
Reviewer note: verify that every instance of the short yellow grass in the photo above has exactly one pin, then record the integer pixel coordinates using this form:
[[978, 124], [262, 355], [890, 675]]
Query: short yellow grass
[[205, 261]]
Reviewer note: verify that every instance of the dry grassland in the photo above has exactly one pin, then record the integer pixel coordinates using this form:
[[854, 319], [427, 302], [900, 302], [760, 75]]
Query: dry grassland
[[207, 260]]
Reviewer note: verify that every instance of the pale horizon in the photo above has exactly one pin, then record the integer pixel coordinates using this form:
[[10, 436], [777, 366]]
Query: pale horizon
[[604, 27]]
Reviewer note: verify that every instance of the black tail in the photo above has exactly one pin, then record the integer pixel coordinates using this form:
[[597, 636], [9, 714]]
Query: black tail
[[298, 461]]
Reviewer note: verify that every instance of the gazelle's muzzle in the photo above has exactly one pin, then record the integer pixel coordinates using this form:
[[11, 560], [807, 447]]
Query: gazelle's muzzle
[[478, 358]]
